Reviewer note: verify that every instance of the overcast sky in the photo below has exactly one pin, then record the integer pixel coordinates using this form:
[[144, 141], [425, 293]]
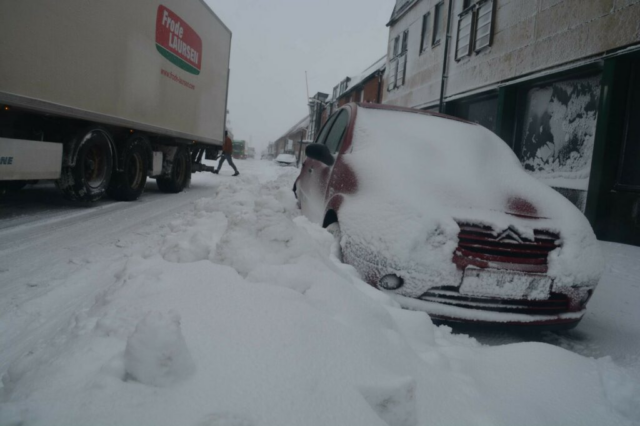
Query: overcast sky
[[276, 41]]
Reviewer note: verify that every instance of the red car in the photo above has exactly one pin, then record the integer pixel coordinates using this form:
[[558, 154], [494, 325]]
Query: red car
[[439, 213]]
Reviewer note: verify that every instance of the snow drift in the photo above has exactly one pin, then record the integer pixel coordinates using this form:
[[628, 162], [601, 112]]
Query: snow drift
[[259, 324]]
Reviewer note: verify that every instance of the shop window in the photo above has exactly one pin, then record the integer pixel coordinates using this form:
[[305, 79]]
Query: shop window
[[629, 176], [483, 111], [558, 133], [484, 25], [438, 18]]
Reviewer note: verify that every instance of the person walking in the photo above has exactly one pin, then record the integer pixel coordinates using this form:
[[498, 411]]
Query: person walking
[[227, 150]]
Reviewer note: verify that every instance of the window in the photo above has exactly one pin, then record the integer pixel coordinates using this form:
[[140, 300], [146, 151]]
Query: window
[[482, 110], [463, 46], [558, 134], [437, 23], [393, 74], [630, 167], [398, 64], [344, 85], [396, 46], [467, 3], [402, 67], [424, 38], [337, 132], [335, 92], [405, 41], [484, 24]]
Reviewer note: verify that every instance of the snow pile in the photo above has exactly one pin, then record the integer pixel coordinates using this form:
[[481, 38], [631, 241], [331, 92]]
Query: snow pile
[[270, 329], [286, 159], [156, 353], [419, 176]]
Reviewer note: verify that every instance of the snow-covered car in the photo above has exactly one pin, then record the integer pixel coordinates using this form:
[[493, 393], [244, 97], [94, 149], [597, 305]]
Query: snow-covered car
[[286, 160], [439, 213]]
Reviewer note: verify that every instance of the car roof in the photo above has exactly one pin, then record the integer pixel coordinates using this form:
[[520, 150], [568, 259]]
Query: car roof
[[411, 110]]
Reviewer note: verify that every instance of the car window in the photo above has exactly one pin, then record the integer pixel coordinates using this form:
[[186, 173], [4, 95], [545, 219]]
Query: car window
[[337, 132], [325, 129]]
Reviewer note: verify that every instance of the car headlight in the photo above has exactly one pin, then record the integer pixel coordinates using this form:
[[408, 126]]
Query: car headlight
[[391, 282]]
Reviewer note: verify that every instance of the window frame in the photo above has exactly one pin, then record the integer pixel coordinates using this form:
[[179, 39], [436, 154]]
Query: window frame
[[396, 46], [393, 71], [404, 46], [476, 24], [437, 23], [467, 13], [424, 36], [633, 86]]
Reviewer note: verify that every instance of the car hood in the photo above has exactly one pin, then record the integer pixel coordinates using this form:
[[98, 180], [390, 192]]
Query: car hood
[[420, 176]]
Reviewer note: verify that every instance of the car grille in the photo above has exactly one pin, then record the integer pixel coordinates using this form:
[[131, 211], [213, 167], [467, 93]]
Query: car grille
[[555, 304], [481, 246]]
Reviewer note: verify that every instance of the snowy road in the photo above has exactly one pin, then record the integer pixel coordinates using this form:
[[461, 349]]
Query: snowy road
[[221, 306], [45, 239]]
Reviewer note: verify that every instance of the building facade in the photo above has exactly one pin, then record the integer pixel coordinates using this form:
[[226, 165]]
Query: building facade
[[557, 80], [366, 87], [293, 141]]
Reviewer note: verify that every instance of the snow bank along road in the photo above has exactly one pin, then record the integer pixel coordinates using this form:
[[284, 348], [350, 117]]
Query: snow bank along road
[[230, 309]]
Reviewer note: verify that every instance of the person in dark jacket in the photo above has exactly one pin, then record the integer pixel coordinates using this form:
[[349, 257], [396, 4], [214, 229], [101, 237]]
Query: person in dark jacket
[[227, 150]]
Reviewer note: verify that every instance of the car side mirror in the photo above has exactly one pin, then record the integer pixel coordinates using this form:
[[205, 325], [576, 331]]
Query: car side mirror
[[321, 153]]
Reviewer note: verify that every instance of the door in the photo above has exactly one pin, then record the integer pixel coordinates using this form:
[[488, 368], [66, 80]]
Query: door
[[314, 176], [618, 211]]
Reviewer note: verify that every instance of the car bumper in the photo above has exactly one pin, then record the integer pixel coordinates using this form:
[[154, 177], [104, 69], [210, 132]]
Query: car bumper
[[447, 313], [561, 308]]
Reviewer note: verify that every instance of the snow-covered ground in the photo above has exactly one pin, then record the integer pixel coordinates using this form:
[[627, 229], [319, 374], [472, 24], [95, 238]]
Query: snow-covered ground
[[223, 306]]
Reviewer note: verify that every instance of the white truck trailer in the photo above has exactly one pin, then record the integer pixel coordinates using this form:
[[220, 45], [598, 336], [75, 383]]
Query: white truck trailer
[[100, 95]]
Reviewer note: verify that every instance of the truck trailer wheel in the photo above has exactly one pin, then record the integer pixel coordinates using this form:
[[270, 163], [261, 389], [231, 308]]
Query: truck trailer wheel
[[128, 184], [179, 176], [88, 178]]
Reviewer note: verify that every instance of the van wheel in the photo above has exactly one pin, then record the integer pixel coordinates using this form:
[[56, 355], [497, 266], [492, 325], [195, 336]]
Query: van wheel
[[128, 184], [89, 178], [179, 176]]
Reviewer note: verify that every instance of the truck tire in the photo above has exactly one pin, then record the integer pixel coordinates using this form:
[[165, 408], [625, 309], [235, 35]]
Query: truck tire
[[179, 176], [128, 184], [88, 179]]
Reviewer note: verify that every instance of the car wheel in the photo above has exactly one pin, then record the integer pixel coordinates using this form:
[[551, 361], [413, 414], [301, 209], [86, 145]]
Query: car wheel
[[334, 229]]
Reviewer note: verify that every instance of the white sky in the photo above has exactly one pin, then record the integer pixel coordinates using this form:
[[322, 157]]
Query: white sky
[[276, 41]]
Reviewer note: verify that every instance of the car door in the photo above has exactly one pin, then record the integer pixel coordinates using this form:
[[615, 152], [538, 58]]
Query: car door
[[315, 175]]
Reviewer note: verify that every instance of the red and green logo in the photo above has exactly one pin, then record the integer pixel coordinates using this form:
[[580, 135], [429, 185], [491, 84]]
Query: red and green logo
[[178, 42]]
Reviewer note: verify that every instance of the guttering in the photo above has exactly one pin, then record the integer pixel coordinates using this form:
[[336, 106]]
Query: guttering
[[403, 10], [445, 61], [548, 71]]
